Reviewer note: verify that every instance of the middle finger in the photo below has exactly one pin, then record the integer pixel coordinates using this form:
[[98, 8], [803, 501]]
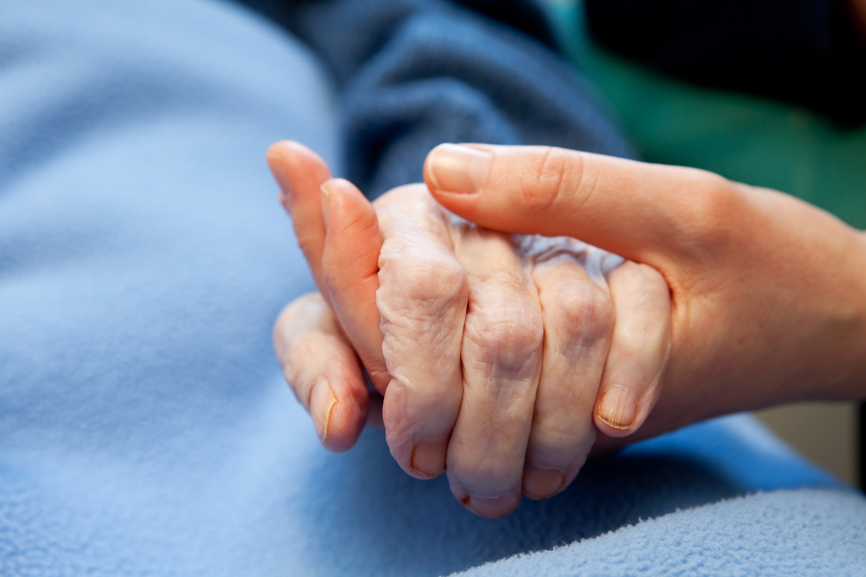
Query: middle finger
[[422, 301], [501, 358]]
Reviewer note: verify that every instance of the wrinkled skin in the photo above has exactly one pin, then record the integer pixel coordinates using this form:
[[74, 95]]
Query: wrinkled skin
[[494, 352]]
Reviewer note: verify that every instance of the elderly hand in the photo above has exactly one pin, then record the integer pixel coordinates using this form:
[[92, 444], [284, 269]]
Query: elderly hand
[[493, 351], [768, 292]]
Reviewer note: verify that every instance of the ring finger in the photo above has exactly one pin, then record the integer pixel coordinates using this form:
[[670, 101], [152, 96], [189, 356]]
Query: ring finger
[[578, 323]]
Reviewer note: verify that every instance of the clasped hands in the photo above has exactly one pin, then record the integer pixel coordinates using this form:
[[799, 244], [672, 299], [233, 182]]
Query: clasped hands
[[499, 356]]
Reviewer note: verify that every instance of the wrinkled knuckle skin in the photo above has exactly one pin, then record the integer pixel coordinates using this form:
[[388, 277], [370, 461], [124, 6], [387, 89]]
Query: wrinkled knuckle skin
[[578, 310], [545, 176], [558, 439], [508, 338], [431, 283], [438, 280]]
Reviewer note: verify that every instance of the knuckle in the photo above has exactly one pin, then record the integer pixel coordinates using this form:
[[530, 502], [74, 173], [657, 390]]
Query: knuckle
[[548, 175], [430, 282], [561, 439], [305, 316], [512, 338], [711, 208], [645, 288], [304, 357], [491, 467], [650, 279], [577, 310], [508, 337]]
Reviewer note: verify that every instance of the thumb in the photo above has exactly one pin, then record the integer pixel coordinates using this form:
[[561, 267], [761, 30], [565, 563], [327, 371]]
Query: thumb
[[643, 212]]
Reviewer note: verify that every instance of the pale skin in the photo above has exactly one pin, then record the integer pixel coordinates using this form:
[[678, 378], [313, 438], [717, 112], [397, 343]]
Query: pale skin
[[499, 356]]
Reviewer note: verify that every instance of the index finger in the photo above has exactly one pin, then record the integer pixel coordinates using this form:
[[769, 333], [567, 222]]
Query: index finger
[[300, 173]]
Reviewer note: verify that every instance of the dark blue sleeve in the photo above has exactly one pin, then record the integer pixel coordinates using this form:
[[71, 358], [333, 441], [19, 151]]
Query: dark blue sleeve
[[806, 52], [415, 73]]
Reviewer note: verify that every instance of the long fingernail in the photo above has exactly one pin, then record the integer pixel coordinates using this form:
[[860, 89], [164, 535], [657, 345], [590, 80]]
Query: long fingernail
[[540, 483], [428, 458], [459, 169], [618, 408], [322, 405], [492, 508]]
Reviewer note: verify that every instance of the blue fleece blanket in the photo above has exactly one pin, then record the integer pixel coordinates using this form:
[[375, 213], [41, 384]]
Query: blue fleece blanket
[[145, 428]]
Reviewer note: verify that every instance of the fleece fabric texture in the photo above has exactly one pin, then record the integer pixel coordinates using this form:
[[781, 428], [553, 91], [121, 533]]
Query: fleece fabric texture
[[783, 533], [145, 428]]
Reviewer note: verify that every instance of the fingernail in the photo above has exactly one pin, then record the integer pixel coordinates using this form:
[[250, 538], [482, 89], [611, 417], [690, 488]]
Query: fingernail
[[428, 458], [617, 408], [492, 508], [540, 483], [322, 403], [459, 169]]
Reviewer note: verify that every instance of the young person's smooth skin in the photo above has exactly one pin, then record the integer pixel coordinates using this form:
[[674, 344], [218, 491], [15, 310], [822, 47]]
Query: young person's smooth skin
[[768, 293], [498, 355]]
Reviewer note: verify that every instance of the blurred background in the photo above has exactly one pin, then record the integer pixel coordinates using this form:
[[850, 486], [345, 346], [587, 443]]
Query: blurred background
[[826, 433]]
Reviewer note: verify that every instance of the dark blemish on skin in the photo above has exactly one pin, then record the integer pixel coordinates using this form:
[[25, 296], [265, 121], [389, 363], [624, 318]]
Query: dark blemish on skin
[[465, 500]]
